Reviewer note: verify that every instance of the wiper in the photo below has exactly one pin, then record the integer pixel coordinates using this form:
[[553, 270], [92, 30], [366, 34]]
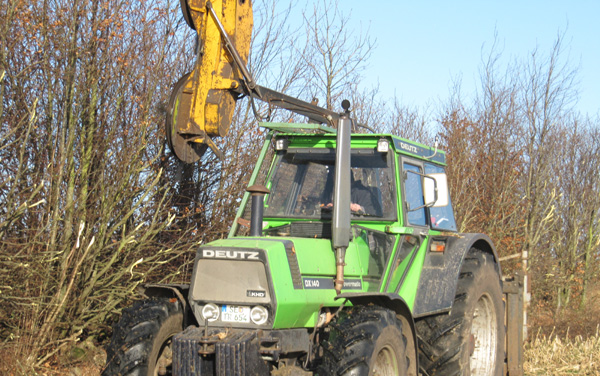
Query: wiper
[[327, 208], [361, 214]]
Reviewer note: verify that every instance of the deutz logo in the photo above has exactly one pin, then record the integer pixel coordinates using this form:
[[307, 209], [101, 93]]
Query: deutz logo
[[410, 148], [222, 254]]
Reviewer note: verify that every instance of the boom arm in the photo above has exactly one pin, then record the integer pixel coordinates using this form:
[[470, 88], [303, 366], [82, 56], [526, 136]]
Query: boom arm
[[313, 112]]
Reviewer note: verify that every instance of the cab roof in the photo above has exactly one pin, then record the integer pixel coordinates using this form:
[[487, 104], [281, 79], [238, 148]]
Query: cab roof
[[301, 135]]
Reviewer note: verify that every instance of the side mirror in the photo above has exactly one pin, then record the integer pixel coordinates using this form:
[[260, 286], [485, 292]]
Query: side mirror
[[436, 190]]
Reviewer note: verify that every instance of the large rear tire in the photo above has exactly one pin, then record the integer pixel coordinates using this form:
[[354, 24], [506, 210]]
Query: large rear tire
[[470, 339], [367, 340], [141, 341]]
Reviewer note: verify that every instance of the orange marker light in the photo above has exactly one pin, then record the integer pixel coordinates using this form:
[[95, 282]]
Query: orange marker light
[[437, 246]]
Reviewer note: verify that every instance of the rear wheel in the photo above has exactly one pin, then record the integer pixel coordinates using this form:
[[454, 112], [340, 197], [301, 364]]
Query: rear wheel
[[366, 340], [141, 341], [468, 340]]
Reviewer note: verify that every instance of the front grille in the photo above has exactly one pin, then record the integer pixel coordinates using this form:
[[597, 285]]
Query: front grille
[[230, 281], [320, 230]]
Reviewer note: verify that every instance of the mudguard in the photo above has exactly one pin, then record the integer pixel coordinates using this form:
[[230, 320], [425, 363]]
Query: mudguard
[[173, 291], [152, 290], [437, 285]]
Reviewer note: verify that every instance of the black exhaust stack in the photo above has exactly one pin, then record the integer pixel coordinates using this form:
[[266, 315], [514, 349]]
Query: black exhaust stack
[[258, 193]]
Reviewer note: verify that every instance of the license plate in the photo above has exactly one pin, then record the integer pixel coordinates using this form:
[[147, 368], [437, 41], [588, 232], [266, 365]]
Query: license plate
[[231, 313]]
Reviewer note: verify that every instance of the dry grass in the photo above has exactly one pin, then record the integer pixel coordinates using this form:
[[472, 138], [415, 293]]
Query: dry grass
[[83, 360], [553, 355]]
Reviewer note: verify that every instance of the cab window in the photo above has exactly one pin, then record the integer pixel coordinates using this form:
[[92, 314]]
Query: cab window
[[441, 218]]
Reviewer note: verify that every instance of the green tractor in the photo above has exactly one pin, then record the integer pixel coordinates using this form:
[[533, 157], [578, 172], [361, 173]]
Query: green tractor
[[344, 259], [349, 266]]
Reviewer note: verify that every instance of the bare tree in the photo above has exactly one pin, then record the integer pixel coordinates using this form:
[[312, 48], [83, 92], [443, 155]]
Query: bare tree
[[410, 123], [548, 92], [591, 250], [499, 161], [575, 232], [82, 89], [335, 55]]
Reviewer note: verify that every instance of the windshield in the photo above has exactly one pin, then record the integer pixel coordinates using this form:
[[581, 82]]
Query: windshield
[[302, 185]]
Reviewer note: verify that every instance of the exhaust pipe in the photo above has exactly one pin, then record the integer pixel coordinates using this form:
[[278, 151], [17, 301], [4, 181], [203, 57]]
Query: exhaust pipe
[[340, 224], [258, 193]]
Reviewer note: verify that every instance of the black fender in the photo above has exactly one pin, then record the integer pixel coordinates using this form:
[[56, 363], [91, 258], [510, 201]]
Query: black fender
[[395, 303], [172, 291], [439, 276]]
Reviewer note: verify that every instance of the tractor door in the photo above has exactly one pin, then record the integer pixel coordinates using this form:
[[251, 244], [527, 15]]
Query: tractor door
[[425, 225]]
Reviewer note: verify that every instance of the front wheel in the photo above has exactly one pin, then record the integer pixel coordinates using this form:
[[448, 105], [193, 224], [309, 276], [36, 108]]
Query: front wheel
[[141, 341], [367, 340], [470, 339]]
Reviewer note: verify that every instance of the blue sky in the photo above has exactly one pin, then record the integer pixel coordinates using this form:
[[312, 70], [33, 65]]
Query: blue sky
[[423, 45]]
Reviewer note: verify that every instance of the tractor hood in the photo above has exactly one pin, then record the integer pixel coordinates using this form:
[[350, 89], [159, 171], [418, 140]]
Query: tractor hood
[[240, 272]]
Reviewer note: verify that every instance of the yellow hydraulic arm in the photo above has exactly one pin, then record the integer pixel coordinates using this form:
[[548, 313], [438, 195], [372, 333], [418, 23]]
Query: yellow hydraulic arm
[[202, 103]]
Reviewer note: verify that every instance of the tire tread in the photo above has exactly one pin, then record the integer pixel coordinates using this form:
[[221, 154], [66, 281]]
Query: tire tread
[[352, 338], [133, 336]]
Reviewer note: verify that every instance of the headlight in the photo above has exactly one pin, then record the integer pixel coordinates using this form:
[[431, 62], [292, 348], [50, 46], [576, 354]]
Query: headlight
[[210, 312], [383, 145], [281, 144], [259, 315]]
